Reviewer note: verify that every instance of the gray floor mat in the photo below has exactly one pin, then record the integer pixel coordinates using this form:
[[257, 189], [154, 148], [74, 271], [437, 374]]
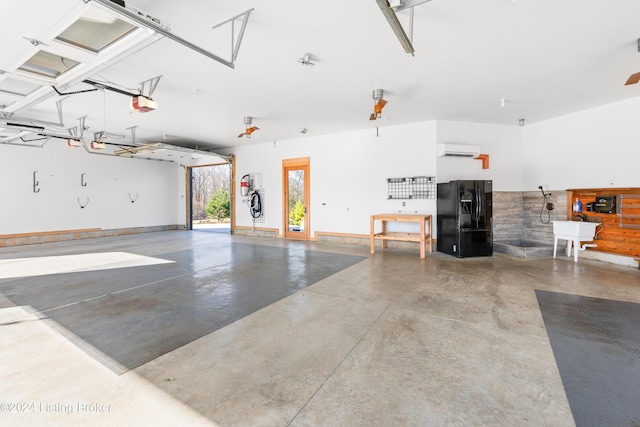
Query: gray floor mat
[[596, 344]]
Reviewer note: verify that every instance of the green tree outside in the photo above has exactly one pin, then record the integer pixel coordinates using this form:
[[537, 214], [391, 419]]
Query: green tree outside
[[218, 205], [296, 213]]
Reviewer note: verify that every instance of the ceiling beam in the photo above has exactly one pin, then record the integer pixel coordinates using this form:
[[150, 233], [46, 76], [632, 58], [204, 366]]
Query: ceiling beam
[[393, 21], [401, 5], [109, 4]]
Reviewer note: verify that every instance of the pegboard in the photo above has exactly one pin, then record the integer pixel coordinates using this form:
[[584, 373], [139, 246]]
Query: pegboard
[[415, 187]]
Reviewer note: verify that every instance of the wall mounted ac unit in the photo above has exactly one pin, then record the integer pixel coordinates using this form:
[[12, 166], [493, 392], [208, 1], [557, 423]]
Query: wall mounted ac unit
[[458, 150]]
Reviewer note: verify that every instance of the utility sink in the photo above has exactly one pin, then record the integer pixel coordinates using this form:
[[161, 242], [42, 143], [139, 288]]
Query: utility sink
[[573, 232]]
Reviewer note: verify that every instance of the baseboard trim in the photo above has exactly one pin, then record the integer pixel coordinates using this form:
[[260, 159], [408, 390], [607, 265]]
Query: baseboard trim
[[319, 234], [21, 239], [47, 233], [244, 230]]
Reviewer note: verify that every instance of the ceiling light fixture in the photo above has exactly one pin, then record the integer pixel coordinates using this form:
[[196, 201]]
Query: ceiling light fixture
[[97, 145], [73, 143], [392, 19], [306, 60]]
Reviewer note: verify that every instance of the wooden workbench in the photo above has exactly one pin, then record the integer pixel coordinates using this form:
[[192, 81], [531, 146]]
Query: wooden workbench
[[423, 237]]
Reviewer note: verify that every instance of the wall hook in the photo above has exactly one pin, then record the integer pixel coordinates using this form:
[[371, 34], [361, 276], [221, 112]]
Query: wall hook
[[133, 199], [82, 206], [36, 183], [82, 181]]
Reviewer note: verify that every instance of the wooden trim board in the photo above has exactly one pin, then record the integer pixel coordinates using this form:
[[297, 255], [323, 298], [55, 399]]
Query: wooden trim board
[[48, 233]]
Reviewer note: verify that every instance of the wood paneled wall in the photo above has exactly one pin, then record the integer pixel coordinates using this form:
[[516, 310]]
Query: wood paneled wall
[[621, 232]]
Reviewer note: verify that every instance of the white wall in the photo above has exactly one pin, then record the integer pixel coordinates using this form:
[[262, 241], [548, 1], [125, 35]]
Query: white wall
[[596, 148], [502, 143], [348, 175], [111, 184], [593, 148]]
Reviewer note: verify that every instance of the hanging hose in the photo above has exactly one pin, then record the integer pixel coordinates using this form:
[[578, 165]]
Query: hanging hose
[[546, 204], [255, 205], [545, 207]]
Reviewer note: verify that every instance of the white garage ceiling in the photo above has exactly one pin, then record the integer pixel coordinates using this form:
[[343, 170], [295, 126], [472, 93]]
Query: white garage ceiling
[[490, 61]]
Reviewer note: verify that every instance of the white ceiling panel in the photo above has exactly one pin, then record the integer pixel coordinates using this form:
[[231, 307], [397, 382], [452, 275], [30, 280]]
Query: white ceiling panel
[[545, 58]]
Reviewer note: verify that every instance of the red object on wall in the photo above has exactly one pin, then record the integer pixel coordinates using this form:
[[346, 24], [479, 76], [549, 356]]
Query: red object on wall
[[485, 160]]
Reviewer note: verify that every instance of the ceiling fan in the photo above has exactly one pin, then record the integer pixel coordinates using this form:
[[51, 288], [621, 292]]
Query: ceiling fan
[[249, 129], [634, 78], [379, 105]]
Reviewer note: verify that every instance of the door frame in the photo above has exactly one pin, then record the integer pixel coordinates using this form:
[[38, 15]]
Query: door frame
[[189, 192], [293, 164]]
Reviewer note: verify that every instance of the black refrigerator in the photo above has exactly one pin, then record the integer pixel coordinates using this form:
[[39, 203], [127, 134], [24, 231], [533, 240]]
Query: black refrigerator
[[464, 218]]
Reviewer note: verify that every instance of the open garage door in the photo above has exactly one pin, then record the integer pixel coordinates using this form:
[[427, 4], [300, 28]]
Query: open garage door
[[210, 198]]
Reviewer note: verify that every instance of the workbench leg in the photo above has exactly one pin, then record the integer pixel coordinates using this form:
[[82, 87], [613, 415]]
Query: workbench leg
[[422, 240], [373, 231], [384, 230]]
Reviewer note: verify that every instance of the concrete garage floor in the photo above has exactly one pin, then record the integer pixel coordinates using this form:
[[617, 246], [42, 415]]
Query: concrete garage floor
[[388, 339]]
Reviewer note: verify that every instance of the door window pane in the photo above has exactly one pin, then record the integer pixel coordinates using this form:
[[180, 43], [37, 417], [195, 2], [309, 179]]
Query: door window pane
[[297, 209]]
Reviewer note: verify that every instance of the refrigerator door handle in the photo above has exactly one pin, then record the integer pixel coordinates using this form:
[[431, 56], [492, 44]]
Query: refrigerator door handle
[[476, 195], [480, 206]]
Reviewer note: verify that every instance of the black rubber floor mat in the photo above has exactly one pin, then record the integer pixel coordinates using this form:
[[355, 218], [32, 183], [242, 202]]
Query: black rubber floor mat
[[128, 317], [596, 344]]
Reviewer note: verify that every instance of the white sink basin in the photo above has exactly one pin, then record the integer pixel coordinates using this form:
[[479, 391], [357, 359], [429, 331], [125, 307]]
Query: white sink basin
[[573, 232]]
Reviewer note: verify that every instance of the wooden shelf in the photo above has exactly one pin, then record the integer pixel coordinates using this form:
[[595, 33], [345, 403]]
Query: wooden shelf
[[423, 237], [394, 235]]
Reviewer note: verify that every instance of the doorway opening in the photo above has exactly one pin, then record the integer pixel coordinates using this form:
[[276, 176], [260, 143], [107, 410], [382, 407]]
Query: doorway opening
[[210, 198], [295, 203]]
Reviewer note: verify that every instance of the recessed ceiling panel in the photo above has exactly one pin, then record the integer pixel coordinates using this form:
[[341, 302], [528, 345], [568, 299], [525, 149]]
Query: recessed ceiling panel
[[96, 30], [6, 100], [48, 65], [17, 87]]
